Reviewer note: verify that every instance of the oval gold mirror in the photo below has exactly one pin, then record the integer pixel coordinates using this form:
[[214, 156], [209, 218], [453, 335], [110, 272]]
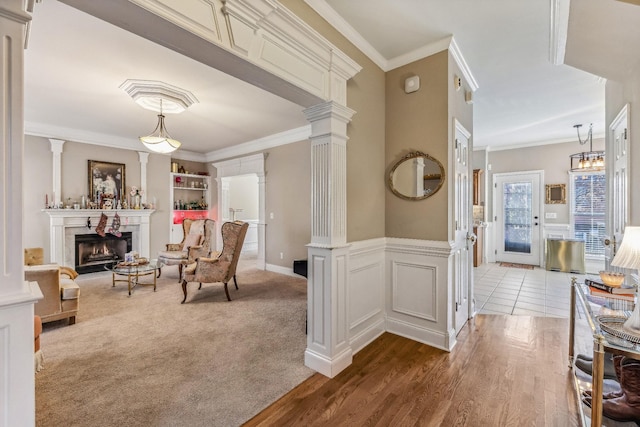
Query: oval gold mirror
[[416, 176]]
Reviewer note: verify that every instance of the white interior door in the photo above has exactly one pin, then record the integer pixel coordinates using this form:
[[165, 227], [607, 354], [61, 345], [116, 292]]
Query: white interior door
[[617, 176], [517, 217], [464, 239]]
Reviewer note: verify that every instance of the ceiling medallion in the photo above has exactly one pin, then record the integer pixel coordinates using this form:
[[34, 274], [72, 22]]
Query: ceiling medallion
[[148, 93]]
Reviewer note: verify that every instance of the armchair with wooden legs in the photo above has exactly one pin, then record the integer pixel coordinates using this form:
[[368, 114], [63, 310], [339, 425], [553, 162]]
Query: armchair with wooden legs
[[197, 241], [219, 267]]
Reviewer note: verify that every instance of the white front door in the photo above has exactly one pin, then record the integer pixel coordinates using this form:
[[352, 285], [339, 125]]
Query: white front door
[[463, 261], [517, 213], [617, 176]]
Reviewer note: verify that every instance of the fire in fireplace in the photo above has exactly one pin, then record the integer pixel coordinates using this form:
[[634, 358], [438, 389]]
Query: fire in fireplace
[[94, 253]]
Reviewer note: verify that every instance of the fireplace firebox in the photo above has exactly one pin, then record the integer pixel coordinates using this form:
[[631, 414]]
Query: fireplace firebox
[[94, 252]]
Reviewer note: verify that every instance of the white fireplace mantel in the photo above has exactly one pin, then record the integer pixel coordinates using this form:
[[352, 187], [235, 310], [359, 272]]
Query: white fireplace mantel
[[64, 224]]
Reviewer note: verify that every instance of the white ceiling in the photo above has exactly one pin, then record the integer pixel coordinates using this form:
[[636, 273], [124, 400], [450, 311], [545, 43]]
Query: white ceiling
[[75, 64]]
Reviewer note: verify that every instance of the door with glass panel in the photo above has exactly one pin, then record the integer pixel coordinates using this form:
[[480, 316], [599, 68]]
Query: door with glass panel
[[517, 217]]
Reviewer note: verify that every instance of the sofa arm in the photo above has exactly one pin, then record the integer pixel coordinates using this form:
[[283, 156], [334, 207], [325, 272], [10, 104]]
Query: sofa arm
[[68, 271], [48, 279]]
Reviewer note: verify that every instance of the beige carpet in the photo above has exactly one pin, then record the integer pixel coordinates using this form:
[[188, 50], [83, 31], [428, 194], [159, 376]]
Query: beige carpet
[[147, 360]]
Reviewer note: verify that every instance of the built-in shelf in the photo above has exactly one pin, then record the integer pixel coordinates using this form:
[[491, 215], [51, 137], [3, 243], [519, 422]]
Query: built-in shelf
[[192, 188]]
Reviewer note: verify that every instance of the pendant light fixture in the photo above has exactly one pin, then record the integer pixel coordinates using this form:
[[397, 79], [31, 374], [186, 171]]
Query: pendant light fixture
[[160, 141], [587, 161]]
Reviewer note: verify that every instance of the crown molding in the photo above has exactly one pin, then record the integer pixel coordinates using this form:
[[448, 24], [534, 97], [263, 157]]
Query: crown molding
[[101, 139], [533, 144], [456, 53], [336, 21], [105, 140], [559, 20], [421, 52], [323, 9], [287, 137], [85, 137]]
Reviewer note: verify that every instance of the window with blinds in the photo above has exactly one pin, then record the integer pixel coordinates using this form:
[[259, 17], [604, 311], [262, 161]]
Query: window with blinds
[[588, 208]]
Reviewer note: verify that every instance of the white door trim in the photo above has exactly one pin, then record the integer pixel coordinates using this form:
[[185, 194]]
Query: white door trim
[[242, 166], [540, 206]]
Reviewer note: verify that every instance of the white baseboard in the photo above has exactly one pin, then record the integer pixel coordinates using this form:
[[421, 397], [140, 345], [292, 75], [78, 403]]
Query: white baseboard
[[282, 270], [426, 336], [367, 336], [328, 367]]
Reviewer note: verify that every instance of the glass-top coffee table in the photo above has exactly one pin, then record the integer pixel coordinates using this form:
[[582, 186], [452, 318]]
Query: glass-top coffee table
[[134, 271]]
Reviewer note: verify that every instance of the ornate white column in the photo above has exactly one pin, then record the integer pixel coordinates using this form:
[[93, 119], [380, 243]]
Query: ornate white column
[[328, 350], [17, 384], [56, 149], [144, 159]]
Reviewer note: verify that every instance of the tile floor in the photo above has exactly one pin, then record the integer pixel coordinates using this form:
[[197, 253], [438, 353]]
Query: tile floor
[[517, 291]]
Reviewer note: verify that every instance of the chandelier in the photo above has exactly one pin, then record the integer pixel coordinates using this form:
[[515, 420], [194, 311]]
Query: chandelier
[[160, 141], [587, 161]]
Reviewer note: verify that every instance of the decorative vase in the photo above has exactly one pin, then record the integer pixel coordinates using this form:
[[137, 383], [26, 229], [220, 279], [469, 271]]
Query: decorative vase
[[136, 200]]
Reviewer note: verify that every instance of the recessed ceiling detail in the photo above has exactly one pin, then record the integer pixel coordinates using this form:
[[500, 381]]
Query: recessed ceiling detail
[[148, 93]]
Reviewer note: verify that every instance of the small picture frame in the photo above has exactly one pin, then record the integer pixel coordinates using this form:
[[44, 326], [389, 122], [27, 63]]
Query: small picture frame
[[106, 179], [556, 194]]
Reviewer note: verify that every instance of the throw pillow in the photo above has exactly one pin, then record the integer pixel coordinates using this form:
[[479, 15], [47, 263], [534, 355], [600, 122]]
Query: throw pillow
[[191, 240]]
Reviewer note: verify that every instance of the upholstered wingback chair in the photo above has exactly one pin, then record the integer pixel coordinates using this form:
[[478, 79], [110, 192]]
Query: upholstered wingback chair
[[197, 241], [221, 267]]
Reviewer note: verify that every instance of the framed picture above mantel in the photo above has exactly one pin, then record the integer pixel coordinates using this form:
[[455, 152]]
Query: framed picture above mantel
[[106, 180]]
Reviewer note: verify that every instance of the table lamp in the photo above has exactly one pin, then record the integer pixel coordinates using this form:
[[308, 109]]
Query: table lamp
[[628, 256]]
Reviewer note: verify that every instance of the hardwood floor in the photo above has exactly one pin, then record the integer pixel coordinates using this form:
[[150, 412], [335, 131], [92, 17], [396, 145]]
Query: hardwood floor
[[504, 371]]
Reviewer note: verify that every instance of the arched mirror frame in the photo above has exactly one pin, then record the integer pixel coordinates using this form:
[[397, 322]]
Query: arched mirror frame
[[414, 155]]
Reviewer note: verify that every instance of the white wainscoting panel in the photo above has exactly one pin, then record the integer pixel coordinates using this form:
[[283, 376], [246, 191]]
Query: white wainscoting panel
[[366, 292], [317, 309], [413, 290], [557, 231], [251, 239], [418, 292]]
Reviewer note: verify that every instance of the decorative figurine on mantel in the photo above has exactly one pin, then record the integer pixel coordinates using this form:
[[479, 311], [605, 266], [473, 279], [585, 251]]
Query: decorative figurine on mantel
[[125, 205], [136, 195]]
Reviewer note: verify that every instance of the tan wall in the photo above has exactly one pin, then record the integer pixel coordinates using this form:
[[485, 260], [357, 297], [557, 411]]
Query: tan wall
[[553, 159], [38, 175], [418, 121], [365, 148], [288, 199]]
